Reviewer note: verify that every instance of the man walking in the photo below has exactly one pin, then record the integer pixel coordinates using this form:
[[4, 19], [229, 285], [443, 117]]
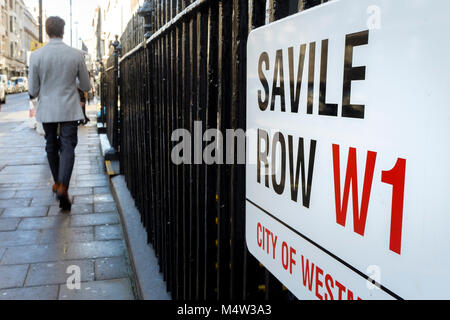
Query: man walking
[[53, 73]]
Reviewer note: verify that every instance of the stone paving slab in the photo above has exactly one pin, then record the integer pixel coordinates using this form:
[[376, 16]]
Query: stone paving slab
[[18, 238], [30, 169], [9, 224], [39, 193], [89, 177], [67, 235], [96, 249], [33, 253], [105, 207], [21, 178], [5, 195], [25, 185], [95, 219], [12, 276], [104, 232], [57, 222], [31, 293], [15, 203], [111, 268], [93, 183], [56, 273], [38, 242], [117, 289], [102, 190], [103, 198], [86, 199], [48, 201], [76, 209], [25, 212], [81, 191]]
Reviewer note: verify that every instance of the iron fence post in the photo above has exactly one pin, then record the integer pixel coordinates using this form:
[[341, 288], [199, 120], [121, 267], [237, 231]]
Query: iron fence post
[[116, 54], [102, 92], [113, 107]]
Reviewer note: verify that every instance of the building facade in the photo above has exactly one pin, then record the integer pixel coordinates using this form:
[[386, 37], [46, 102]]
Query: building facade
[[18, 28], [110, 19]]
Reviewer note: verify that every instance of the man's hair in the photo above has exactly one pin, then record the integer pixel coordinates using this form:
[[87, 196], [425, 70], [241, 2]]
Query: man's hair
[[55, 27]]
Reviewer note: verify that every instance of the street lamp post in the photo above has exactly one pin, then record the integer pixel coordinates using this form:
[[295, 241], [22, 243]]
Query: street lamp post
[[76, 34], [71, 31], [41, 19]]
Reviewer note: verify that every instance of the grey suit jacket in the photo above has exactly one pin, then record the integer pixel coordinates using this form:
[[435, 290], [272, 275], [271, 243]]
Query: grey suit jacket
[[53, 73]]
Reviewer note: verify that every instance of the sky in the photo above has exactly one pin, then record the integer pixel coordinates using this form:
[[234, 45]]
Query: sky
[[82, 10]]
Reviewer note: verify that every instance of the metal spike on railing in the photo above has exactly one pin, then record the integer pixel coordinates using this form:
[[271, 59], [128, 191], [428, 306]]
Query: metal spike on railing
[[147, 11]]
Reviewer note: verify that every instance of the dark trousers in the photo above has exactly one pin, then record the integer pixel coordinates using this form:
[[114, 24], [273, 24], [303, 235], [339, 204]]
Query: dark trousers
[[61, 149]]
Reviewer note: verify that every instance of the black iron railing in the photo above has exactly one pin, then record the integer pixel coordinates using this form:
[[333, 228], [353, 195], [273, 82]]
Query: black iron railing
[[192, 68], [110, 101]]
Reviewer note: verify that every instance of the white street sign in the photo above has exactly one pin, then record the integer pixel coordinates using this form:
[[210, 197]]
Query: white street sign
[[348, 171]]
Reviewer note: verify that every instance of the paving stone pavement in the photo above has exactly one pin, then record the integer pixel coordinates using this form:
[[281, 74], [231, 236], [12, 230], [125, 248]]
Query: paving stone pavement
[[38, 243]]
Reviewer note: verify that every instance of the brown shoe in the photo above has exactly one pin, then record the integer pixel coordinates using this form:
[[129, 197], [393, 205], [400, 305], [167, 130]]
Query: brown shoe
[[63, 196], [55, 187]]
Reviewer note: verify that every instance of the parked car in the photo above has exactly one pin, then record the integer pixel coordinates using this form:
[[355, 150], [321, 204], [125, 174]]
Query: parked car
[[3, 88], [21, 84], [11, 87], [4, 79], [14, 85], [2, 92]]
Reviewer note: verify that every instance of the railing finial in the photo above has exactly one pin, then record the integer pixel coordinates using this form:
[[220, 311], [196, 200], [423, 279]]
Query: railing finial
[[117, 46], [147, 11]]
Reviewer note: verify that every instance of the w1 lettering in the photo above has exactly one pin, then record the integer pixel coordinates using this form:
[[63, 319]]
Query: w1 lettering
[[394, 177]]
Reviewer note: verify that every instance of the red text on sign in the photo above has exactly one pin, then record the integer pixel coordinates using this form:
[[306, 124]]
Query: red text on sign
[[395, 177], [322, 284], [266, 239], [288, 256]]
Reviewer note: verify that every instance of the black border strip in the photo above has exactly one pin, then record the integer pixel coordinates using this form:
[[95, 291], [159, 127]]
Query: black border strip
[[389, 292]]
